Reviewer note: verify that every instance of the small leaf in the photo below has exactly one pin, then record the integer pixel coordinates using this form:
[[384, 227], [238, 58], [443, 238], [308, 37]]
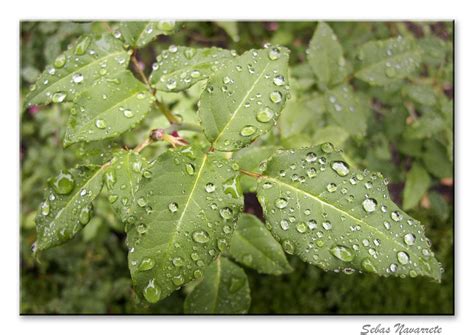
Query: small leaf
[[249, 159], [231, 28], [254, 246], [422, 94], [110, 107], [223, 290], [386, 61], [90, 58], [333, 134], [325, 55], [178, 68], [140, 33], [346, 109], [417, 183], [436, 160], [340, 218], [244, 99], [183, 217], [122, 180], [67, 206]]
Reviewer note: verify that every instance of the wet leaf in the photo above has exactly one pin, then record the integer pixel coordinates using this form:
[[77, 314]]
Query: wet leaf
[[223, 290], [139, 33], [107, 109], [183, 217], [122, 180], [244, 99], [340, 218], [178, 68], [67, 206], [254, 246], [416, 185], [326, 57], [89, 59], [386, 61]]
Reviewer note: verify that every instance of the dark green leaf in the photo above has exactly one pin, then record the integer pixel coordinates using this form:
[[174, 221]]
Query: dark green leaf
[[339, 218], [78, 68], [223, 290], [254, 246], [183, 217], [67, 207], [178, 68], [243, 100]]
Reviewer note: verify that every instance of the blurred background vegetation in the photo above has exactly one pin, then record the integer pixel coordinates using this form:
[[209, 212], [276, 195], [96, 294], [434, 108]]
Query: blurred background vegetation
[[409, 124]]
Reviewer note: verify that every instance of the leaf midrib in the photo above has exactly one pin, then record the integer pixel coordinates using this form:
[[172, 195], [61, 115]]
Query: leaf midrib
[[369, 227], [235, 112]]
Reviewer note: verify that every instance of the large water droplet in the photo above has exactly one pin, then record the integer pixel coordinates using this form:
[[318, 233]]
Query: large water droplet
[[341, 168], [178, 262], [403, 257], [146, 264], [276, 97], [77, 78], [281, 203], [342, 253], [201, 236], [151, 292], [45, 208], [265, 115], [409, 239], [82, 45], [226, 213], [64, 183], [190, 170], [279, 80], [85, 214], [369, 205], [59, 97], [171, 84], [173, 207], [288, 247], [60, 61], [274, 53], [396, 216], [100, 123], [210, 187], [248, 131]]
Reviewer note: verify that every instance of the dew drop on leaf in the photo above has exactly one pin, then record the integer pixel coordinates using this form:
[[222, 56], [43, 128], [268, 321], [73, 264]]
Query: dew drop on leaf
[[151, 292], [340, 167], [201, 236], [343, 253], [64, 183], [369, 205]]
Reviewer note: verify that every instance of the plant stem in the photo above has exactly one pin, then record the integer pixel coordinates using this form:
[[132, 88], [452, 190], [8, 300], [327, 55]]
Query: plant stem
[[250, 173], [143, 145]]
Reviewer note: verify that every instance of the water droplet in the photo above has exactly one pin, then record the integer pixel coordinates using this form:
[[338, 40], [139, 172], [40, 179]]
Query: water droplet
[[288, 247], [311, 157], [369, 205], [99, 123], [166, 26], [210, 187], [127, 113], [276, 97], [265, 115], [173, 207], [301, 227], [60, 61], [151, 292], [77, 78], [141, 202], [279, 80], [59, 97], [195, 74], [171, 84], [85, 214], [146, 264], [284, 224], [327, 225], [281, 203], [403, 257], [190, 170], [311, 172], [342, 253], [173, 48], [327, 147], [331, 187], [201, 236], [409, 239], [396, 216], [368, 266], [274, 53], [189, 53], [226, 213], [64, 183], [178, 262], [341, 168], [82, 45], [248, 131], [45, 208]]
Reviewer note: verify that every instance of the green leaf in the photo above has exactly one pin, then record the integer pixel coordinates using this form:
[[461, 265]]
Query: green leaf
[[78, 68], [436, 160], [301, 115], [422, 94], [416, 185], [231, 28], [339, 218], [386, 61], [122, 180], [244, 99], [249, 159], [346, 109], [140, 33], [332, 134], [67, 207], [325, 55], [223, 290], [254, 246], [183, 217], [108, 108], [178, 68]]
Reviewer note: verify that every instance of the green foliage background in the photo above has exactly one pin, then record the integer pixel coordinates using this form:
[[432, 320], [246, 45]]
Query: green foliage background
[[409, 138]]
